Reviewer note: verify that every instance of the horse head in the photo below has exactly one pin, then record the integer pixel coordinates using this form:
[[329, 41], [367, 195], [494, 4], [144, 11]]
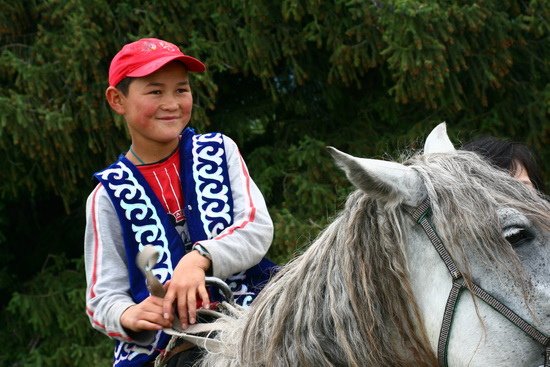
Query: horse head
[[496, 245], [441, 259]]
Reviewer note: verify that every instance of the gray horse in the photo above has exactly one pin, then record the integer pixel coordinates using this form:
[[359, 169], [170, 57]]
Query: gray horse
[[441, 260]]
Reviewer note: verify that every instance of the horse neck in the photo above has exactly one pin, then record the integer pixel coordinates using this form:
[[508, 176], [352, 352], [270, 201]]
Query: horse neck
[[339, 298]]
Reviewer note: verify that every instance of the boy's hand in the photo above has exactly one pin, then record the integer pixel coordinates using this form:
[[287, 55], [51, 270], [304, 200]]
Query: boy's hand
[[187, 282], [146, 315]]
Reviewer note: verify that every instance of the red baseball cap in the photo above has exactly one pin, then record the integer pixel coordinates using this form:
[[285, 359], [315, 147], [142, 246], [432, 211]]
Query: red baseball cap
[[145, 56]]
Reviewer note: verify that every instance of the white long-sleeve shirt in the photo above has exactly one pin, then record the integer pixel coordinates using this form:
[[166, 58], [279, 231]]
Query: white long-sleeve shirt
[[237, 248]]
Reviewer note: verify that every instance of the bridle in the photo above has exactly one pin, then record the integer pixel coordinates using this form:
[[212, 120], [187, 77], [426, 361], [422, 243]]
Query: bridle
[[421, 214]]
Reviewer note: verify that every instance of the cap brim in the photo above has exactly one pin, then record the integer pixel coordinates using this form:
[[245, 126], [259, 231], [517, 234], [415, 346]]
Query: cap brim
[[190, 63]]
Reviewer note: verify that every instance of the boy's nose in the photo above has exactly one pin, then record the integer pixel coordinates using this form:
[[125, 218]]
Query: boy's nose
[[169, 104]]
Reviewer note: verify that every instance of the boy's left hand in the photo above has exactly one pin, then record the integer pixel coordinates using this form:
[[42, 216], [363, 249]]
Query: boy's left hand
[[187, 282]]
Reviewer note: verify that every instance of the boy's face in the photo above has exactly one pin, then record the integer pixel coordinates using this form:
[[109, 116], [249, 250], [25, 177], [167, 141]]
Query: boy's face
[[158, 106]]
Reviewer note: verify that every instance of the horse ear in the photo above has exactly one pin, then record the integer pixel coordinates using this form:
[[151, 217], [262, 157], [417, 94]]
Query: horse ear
[[438, 141], [383, 179]]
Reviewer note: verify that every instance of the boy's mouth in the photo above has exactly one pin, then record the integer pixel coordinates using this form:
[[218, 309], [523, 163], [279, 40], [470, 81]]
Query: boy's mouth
[[169, 118]]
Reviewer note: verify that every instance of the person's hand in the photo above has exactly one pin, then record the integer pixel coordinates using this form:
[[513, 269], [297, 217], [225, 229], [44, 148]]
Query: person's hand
[[146, 315], [187, 282]]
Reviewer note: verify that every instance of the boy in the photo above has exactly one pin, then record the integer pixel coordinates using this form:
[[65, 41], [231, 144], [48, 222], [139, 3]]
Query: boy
[[189, 195]]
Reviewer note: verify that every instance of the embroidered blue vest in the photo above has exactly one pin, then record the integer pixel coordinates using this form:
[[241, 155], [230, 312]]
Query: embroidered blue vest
[[208, 210]]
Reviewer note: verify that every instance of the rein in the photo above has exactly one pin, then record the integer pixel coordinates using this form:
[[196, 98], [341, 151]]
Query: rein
[[421, 215]]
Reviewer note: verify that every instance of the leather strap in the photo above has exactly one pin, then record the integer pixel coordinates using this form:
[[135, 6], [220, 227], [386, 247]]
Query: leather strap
[[421, 214], [182, 347]]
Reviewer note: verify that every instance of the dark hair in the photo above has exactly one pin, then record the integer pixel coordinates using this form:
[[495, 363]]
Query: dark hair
[[124, 85], [506, 154]]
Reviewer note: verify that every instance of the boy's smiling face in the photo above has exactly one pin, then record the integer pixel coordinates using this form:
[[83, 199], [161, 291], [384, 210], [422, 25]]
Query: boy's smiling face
[[158, 107]]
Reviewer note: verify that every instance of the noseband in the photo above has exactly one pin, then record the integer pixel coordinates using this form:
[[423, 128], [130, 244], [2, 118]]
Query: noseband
[[421, 215]]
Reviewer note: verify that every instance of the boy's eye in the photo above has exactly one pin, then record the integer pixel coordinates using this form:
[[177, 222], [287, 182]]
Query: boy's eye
[[156, 91], [182, 90]]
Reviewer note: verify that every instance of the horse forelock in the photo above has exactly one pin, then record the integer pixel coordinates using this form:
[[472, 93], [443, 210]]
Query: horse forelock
[[466, 194]]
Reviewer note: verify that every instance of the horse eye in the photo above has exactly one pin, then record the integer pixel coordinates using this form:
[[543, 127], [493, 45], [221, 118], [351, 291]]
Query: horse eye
[[517, 236]]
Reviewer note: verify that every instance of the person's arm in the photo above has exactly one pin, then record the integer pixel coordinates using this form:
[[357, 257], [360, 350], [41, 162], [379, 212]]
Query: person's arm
[[237, 248], [246, 241], [108, 289]]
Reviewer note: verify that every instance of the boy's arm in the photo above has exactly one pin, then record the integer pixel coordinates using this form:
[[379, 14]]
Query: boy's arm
[[237, 248], [245, 243], [107, 293]]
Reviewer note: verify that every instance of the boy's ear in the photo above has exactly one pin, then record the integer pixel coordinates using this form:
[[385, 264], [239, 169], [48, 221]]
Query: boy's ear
[[115, 98]]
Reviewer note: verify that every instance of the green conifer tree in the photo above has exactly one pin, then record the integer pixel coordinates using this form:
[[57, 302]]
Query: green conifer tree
[[285, 78]]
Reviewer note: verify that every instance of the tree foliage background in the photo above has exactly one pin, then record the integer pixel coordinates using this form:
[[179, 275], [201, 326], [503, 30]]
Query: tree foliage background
[[285, 78]]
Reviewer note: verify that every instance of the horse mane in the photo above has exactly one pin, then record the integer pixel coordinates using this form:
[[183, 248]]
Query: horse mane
[[347, 300]]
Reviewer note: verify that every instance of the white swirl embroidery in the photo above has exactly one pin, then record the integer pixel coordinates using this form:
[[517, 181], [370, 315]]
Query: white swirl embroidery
[[127, 352], [242, 295], [138, 208], [212, 193]]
